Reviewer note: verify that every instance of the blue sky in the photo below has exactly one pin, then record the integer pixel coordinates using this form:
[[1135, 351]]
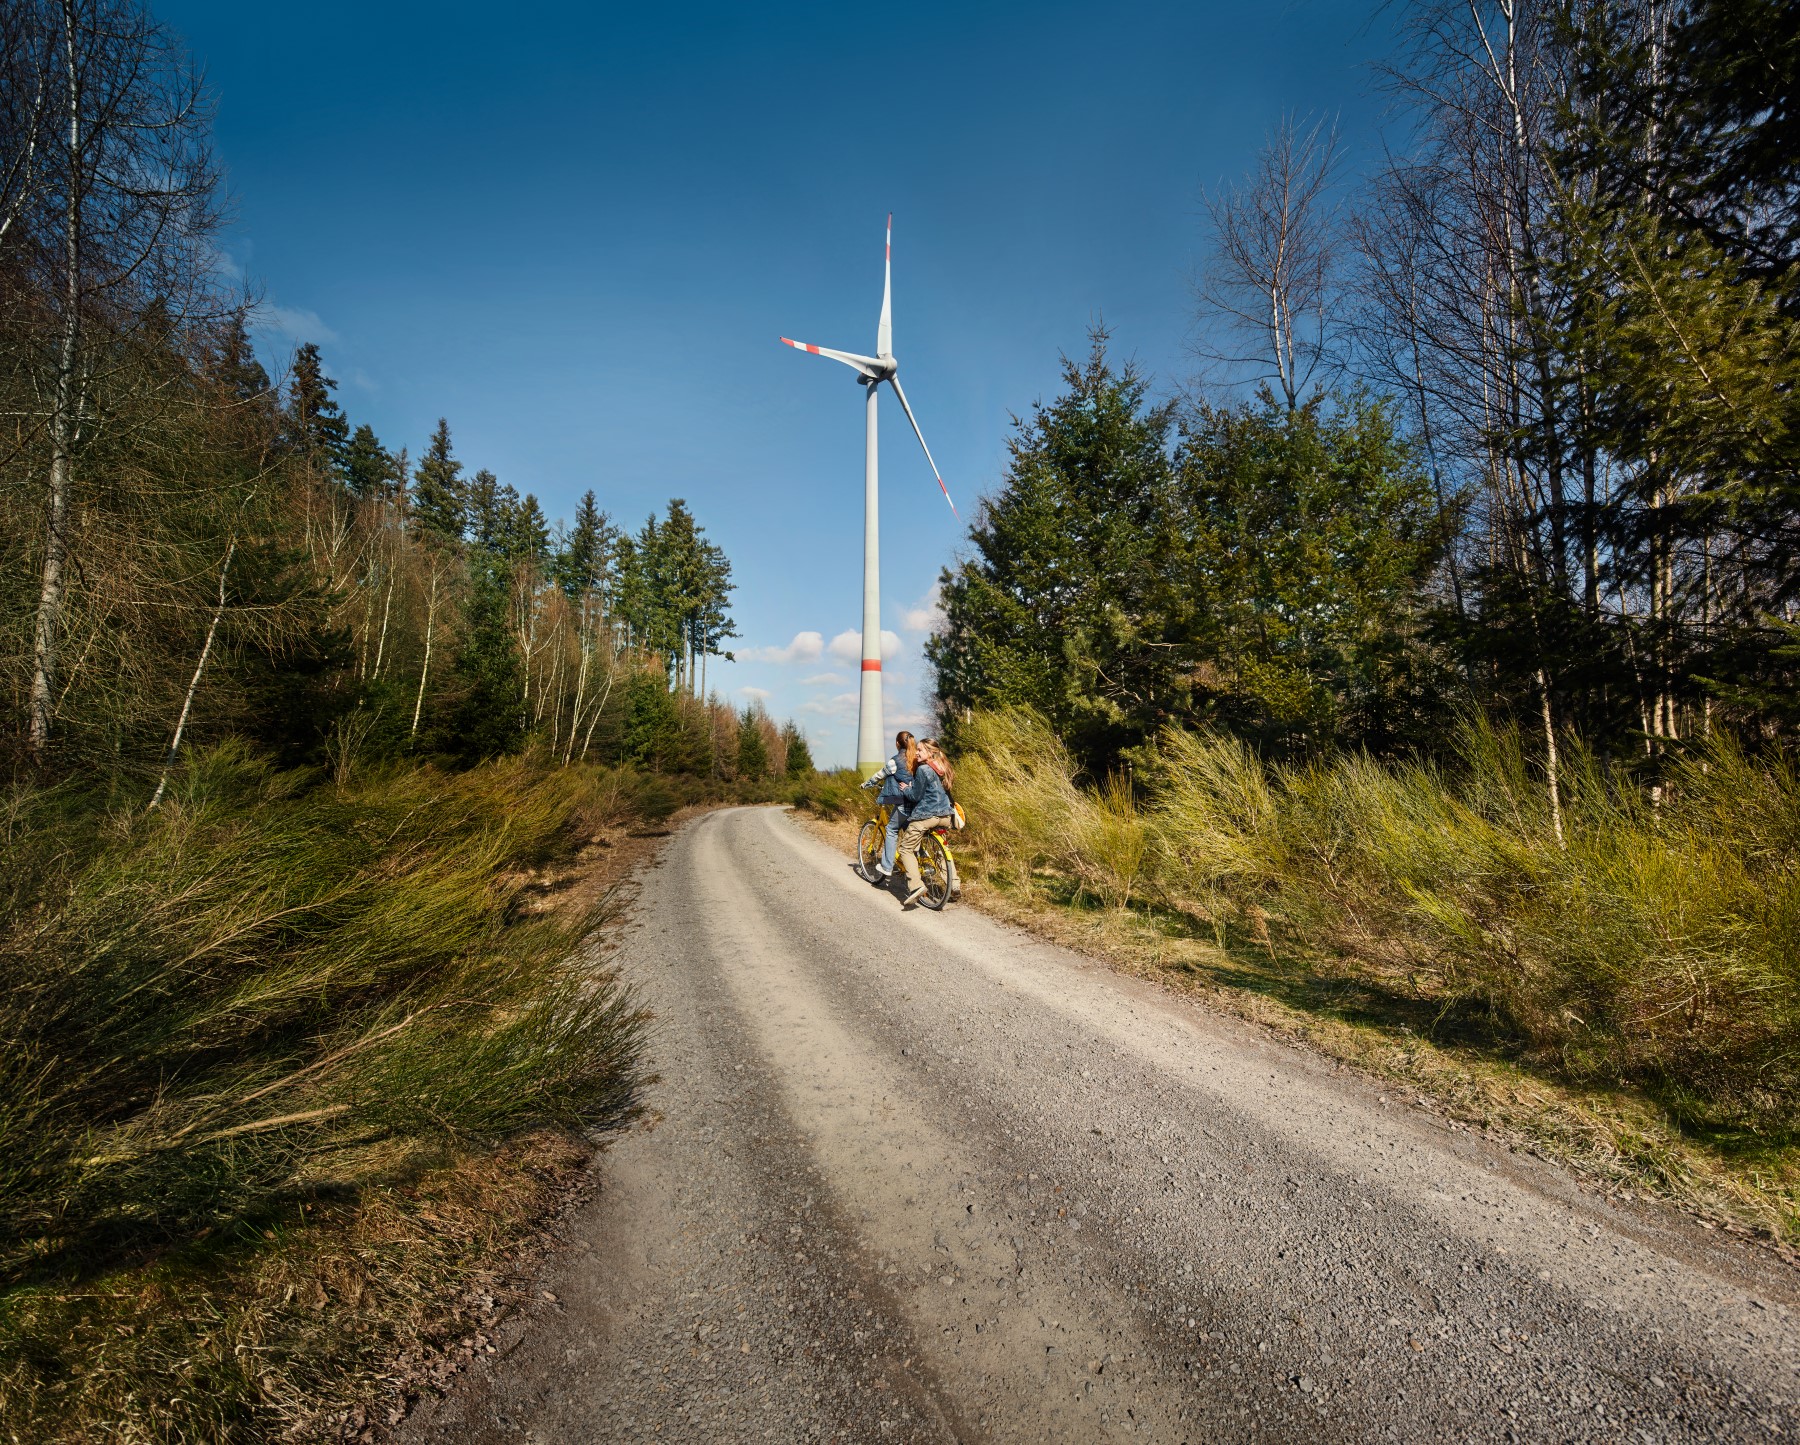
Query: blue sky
[[577, 232]]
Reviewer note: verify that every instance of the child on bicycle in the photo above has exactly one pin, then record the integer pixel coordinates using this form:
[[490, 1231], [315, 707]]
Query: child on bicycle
[[899, 771]]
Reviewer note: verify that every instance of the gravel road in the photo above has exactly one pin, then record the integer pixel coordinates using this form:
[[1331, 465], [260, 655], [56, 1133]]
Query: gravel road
[[920, 1177]]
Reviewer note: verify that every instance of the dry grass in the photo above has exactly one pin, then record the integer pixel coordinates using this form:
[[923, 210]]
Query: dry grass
[[1626, 1003], [268, 1050], [293, 1327]]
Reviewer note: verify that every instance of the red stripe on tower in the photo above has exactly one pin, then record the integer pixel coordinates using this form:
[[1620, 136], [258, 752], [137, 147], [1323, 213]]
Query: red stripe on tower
[[871, 664]]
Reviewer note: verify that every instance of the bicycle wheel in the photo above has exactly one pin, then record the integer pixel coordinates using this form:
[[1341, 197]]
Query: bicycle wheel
[[934, 871], [868, 850]]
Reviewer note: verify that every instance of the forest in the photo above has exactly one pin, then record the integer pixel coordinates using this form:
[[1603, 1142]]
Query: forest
[[1508, 425], [309, 741]]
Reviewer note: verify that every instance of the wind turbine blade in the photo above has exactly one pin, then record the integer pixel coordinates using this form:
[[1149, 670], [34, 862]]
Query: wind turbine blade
[[867, 365], [884, 330], [921, 436]]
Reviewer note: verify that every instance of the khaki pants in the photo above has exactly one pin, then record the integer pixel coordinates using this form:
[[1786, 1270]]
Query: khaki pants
[[908, 851]]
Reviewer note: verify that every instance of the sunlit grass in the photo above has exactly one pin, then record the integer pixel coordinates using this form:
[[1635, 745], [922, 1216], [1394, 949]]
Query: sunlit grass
[[1646, 960], [269, 1003]]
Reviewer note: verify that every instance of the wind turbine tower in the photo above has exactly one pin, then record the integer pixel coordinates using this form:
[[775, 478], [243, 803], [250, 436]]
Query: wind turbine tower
[[871, 371]]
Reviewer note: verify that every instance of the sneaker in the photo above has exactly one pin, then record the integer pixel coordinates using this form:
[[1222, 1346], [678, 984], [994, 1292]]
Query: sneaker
[[884, 872], [913, 897]]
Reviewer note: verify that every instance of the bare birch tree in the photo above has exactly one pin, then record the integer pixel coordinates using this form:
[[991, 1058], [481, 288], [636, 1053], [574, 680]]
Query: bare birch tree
[[1267, 296], [131, 199]]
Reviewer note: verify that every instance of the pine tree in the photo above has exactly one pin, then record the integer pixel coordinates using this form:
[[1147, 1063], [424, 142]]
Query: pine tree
[[583, 563], [370, 470], [439, 500], [799, 753], [1051, 612], [1297, 547], [486, 520], [234, 362], [752, 751], [528, 538], [316, 427]]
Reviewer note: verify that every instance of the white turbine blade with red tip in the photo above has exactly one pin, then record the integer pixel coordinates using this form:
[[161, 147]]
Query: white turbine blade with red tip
[[921, 436], [867, 365], [884, 329]]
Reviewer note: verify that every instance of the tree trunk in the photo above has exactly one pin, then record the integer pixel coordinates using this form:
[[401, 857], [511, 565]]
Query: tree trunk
[[187, 704], [381, 646], [425, 670], [64, 424], [1552, 764]]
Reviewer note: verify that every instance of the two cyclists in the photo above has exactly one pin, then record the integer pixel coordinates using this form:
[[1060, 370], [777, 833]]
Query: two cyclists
[[927, 808], [910, 804]]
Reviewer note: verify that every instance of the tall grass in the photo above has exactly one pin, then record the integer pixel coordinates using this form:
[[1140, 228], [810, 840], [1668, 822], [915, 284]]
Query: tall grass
[[1654, 946], [213, 1011]]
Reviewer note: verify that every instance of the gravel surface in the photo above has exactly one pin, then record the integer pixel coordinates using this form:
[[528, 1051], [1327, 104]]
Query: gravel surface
[[922, 1177]]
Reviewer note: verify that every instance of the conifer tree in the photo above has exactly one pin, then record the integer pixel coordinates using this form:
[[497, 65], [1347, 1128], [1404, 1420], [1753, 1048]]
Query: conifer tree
[[799, 753], [583, 563], [1052, 609], [439, 500], [370, 470], [752, 750], [316, 426], [234, 362], [485, 520], [528, 535]]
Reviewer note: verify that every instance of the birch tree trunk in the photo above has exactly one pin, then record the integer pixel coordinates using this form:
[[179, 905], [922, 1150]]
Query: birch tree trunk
[[64, 424], [187, 704], [425, 669]]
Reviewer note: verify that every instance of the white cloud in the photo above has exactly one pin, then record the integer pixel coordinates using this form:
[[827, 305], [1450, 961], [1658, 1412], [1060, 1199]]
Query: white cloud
[[294, 322], [928, 616], [840, 708], [847, 645], [824, 679], [754, 694], [806, 647]]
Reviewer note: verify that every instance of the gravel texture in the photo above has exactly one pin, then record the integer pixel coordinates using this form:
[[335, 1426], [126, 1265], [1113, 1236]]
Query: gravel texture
[[918, 1176]]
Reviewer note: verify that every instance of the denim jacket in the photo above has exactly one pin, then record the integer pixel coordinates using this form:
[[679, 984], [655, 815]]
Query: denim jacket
[[893, 787], [928, 798]]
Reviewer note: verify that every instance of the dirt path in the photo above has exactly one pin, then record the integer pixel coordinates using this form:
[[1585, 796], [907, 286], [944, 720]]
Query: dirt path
[[921, 1177]]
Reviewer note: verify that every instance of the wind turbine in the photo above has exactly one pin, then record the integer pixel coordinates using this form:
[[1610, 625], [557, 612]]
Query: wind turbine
[[871, 371]]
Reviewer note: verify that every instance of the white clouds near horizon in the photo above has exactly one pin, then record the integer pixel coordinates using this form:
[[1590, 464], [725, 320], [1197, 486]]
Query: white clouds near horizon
[[806, 647]]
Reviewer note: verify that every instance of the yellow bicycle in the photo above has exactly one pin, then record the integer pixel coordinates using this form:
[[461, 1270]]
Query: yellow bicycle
[[937, 865]]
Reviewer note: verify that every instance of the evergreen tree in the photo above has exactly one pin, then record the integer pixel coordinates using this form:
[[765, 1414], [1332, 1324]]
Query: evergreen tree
[[752, 750], [1298, 545], [584, 561], [483, 719], [439, 500], [1052, 610], [799, 753], [652, 723], [486, 519], [234, 363], [316, 427], [370, 470], [528, 533]]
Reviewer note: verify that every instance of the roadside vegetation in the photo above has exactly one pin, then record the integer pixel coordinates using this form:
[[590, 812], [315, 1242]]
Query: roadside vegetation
[[1625, 999], [1423, 675]]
